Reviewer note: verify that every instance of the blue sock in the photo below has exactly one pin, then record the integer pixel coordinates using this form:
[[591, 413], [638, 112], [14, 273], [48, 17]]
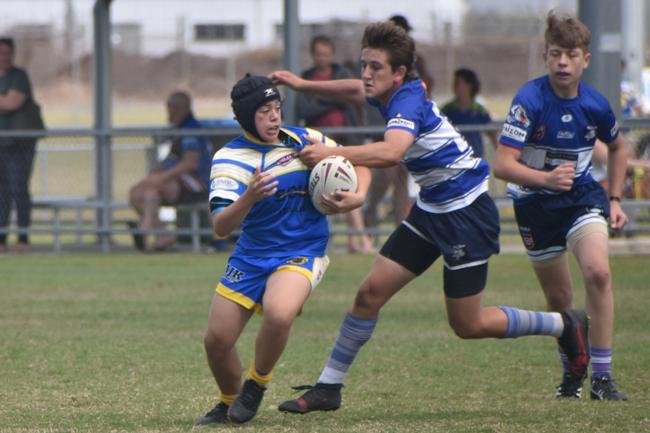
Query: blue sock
[[522, 322], [354, 333], [601, 362]]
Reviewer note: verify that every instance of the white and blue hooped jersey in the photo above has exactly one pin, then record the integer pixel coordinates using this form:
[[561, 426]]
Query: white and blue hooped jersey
[[286, 223], [441, 162], [551, 131]]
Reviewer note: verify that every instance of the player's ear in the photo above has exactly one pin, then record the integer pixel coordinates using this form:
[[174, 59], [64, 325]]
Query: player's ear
[[587, 59]]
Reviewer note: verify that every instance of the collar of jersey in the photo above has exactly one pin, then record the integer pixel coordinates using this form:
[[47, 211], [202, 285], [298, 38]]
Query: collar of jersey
[[283, 131]]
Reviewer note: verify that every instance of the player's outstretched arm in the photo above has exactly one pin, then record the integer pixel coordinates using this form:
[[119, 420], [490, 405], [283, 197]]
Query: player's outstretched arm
[[349, 91], [378, 154]]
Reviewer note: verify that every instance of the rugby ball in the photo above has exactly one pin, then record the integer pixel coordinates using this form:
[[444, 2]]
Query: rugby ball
[[329, 175]]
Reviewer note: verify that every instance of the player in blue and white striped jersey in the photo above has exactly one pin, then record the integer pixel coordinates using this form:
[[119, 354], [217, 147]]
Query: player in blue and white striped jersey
[[454, 217], [545, 152], [258, 183]]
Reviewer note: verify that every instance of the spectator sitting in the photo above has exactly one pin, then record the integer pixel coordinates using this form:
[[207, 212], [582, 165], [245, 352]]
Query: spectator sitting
[[182, 177], [464, 109]]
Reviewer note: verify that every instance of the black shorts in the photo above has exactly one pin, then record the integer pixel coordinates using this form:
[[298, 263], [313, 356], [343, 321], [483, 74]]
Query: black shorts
[[466, 238]]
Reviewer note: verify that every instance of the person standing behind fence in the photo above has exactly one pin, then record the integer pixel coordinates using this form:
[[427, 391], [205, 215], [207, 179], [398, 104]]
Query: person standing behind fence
[[317, 111], [182, 177], [16, 155], [464, 109]]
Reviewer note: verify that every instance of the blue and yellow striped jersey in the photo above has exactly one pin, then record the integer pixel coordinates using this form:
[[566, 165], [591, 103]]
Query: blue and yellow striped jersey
[[286, 223]]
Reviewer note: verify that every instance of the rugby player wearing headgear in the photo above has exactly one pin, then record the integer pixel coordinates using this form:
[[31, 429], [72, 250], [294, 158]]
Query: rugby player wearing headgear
[[259, 184]]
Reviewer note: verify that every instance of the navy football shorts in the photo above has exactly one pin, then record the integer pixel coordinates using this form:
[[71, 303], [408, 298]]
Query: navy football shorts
[[546, 221], [465, 237]]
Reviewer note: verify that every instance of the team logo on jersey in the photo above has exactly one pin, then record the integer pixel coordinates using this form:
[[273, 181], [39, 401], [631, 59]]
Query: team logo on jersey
[[297, 261], [565, 135], [513, 132], [591, 133], [398, 121], [567, 118], [233, 274], [458, 251], [518, 114], [539, 133], [224, 183]]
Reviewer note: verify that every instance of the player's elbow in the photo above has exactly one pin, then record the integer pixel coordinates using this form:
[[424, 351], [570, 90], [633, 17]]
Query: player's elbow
[[219, 226]]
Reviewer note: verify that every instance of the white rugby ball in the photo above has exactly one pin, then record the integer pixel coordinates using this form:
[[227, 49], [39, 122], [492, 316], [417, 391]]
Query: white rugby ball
[[329, 175]]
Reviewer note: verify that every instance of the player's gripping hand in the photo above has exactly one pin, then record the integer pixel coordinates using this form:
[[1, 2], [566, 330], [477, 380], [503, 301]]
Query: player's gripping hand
[[341, 201], [261, 186], [561, 177], [287, 78], [311, 154]]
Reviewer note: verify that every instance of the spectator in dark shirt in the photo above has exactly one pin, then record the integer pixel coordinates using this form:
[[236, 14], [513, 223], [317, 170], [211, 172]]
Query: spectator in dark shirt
[[182, 177]]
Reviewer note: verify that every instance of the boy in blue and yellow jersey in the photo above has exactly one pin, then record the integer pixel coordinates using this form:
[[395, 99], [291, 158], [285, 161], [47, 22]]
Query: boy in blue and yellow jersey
[[259, 184], [454, 218], [545, 152]]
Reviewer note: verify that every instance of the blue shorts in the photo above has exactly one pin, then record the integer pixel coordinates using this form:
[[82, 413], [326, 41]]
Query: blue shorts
[[465, 237], [546, 221], [244, 280]]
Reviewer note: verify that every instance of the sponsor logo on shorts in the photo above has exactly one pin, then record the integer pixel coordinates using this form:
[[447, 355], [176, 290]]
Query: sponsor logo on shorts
[[224, 183], [614, 129], [233, 274], [513, 132], [397, 121], [527, 237], [458, 251]]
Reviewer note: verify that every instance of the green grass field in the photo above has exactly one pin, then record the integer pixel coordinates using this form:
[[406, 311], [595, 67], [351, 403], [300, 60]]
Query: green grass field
[[92, 343]]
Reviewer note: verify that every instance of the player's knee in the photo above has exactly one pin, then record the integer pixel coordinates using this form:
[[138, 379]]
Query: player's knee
[[598, 279], [368, 301], [466, 329], [216, 343], [279, 319]]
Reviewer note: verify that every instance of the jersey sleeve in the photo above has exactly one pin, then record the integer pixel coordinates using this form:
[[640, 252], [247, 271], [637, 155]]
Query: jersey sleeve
[[520, 121], [404, 113], [229, 178], [607, 125], [317, 135]]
